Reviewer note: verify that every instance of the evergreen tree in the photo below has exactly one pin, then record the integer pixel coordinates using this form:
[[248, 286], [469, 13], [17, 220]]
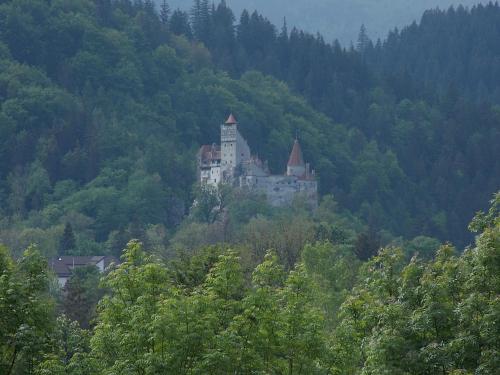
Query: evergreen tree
[[81, 294], [367, 244], [201, 21], [67, 242], [104, 11], [179, 23], [283, 47], [164, 12], [223, 36], [364, 43], [149, 7]]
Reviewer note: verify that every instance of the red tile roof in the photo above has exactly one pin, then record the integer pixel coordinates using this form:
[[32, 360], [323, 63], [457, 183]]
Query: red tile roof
[[296, 158], [231, 120], [208, 153]]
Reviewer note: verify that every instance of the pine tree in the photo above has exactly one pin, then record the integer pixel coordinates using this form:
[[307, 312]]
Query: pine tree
[[68, 241], [149, 7], [195, 18], [179, 24], [201, 21], [223, 38], [367, 245], [103, 11], [81, 294], [364, 41], [283, 48], [164, 12]]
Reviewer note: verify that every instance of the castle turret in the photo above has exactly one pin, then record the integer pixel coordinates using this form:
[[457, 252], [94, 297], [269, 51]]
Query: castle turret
[[296, 166], [234, 149]]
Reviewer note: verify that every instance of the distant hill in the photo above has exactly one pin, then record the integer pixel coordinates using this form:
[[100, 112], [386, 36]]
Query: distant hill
[[339, 19], [103, 107]]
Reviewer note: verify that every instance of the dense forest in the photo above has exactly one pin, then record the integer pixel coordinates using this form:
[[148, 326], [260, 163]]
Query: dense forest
[[103, 107], [340, 19], [217, 313]]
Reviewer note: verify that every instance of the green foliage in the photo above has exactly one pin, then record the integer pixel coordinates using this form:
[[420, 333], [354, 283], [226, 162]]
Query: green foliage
[[329, 314], [26, 312], [81, 294], [149, 324], [69, 356], [423, 317], [333, 269], [483, 221], [68, 241]]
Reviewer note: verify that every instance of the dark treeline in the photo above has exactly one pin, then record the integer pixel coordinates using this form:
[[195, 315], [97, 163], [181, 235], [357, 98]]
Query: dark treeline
[[455, 49], [104, 104]]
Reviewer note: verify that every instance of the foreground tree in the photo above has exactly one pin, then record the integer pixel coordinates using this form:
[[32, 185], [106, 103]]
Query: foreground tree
[[439, 316], [26, 312], [81, 294]]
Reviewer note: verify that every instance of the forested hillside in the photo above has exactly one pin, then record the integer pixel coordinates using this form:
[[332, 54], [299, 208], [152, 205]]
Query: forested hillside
[[104, 105], [456, 47], [340, 19], [432, 126]]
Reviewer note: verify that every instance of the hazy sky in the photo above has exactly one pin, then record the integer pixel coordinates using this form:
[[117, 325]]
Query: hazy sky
[[339, 19]]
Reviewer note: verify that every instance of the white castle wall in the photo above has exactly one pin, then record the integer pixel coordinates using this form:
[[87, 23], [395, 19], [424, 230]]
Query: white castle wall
[[281, 190]]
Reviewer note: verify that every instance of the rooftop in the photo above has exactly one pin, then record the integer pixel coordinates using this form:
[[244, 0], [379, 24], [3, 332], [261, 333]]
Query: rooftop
[[231, 120], [63, 265], [296, 158]]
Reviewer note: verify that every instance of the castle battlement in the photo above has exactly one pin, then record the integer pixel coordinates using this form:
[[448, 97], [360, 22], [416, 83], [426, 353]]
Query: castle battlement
[[232, 163]]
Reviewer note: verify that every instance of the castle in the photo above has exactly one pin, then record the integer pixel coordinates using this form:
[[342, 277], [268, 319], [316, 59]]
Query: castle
[[232, 163]]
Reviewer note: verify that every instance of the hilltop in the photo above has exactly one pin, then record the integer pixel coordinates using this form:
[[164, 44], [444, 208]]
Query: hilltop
[[340, 19]]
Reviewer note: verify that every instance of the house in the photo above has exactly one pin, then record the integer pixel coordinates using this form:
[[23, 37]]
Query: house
[[64, 265]]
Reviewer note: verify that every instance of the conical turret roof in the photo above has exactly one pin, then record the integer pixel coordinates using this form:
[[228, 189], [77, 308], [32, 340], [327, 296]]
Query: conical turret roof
[[231, 120], [296, 158]]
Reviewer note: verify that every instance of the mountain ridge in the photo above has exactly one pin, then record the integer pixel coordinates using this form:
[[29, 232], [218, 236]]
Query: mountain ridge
[[339, 19]]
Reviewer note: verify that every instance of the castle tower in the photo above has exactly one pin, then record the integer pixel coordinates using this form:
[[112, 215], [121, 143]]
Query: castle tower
[[228, 139], [296, 166]]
